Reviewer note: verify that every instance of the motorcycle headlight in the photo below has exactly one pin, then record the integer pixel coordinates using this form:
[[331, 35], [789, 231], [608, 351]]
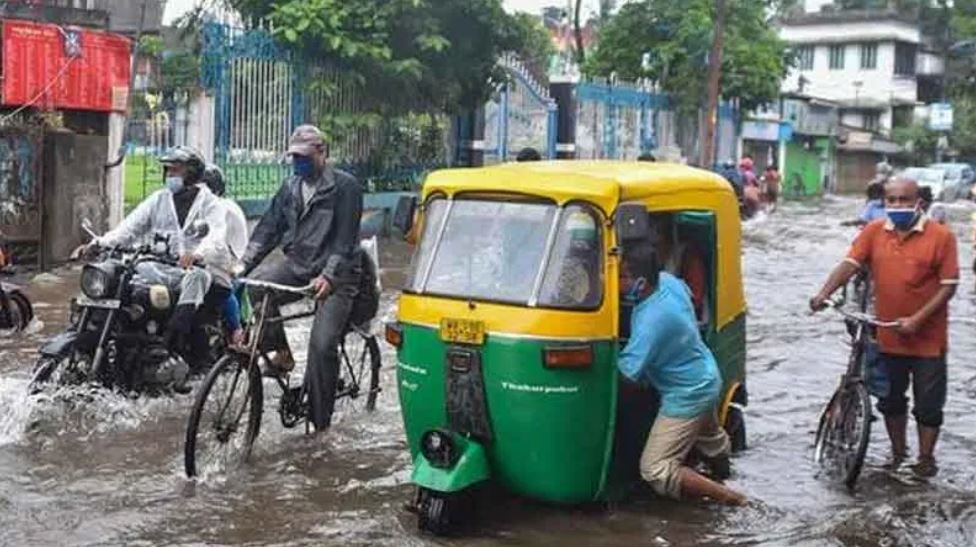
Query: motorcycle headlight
[[97, 282]]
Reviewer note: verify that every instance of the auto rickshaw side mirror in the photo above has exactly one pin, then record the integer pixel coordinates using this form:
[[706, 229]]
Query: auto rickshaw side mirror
[[404, 214], [632, 223]]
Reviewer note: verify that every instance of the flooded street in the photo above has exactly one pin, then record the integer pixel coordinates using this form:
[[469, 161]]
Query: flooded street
[[109, 470]]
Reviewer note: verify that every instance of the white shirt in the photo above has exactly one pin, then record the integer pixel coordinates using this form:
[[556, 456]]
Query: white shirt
[[157, 215]]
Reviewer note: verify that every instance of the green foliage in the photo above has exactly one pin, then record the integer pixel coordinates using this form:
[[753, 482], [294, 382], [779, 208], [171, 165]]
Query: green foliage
[[919, 143], [179, 73], [677, 38], [151, 46], [435, 54], [537, 47]]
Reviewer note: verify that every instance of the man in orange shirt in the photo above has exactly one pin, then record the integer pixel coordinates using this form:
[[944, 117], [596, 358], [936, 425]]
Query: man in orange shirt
[[915, 269]]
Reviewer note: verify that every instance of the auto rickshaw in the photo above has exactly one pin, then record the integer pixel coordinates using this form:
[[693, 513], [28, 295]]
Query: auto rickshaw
[[510, 323]]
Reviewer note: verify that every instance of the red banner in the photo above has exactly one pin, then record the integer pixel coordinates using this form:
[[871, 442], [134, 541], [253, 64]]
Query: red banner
[[70, 68]]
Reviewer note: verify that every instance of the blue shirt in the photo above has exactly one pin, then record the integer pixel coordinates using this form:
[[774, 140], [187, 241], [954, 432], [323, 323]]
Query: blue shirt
[[666, 351], [873, 211]]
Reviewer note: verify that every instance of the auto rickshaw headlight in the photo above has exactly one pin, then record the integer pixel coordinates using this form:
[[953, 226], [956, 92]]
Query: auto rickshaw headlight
[[439, 449], [568, 356]]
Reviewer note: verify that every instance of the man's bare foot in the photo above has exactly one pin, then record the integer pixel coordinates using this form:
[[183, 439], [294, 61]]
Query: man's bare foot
[[896, 460], [280, 364]]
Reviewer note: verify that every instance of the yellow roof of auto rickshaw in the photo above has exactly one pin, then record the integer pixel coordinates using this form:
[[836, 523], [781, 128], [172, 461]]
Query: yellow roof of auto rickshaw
[[602, 182]]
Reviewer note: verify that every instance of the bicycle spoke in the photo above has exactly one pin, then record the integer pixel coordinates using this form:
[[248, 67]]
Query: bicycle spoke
[[223, 436]]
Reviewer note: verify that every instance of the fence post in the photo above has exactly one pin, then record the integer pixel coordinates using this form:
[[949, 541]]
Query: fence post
[[503, 125], [563, 94]]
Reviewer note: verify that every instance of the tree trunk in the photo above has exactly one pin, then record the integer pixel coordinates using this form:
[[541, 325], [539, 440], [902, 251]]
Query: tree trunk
[[707, 159], [578, 31]]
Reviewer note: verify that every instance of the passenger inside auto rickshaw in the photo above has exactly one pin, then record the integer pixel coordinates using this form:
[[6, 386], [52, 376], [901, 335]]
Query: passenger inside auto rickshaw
[[683, 258]]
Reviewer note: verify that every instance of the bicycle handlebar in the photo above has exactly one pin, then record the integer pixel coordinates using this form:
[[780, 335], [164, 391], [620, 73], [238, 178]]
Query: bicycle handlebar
[[861, 317], [306, 290]]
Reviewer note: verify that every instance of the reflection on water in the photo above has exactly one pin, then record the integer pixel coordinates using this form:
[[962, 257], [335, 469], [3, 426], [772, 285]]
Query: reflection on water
[[106, 469]]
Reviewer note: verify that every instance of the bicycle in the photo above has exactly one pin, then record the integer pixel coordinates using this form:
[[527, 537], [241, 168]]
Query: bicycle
[[234, 387], [844, 429]]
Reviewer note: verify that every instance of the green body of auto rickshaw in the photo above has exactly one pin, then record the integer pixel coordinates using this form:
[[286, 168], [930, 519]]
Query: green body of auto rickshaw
[[510, 323]]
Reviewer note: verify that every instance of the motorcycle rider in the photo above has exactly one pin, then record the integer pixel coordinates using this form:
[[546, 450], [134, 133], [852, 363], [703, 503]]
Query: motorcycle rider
[[315, 219], [237, 231], [173, 212]]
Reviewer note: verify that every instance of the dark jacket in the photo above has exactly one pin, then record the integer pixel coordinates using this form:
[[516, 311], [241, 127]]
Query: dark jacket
[[321, 240]]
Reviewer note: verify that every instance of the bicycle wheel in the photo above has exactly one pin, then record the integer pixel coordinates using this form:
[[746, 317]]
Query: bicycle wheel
[[843, 433], [214, 434], [359, 372]]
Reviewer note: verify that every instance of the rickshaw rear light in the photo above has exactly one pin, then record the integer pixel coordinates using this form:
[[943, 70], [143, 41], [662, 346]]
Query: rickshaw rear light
[[568, 356], [394, 334]]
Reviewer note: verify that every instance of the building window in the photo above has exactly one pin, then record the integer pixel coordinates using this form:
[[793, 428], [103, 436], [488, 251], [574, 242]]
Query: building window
[[872, 121], [905, 59], [804, 57], [837, 57], [869, 56]]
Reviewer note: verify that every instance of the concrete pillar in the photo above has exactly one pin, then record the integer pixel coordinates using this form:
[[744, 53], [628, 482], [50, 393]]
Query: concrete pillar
[[115, 177], [200, 129], [564, 93], [470, 131]]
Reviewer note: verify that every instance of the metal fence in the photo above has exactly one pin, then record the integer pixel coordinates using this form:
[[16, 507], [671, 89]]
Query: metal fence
[[620, 121], [520, 114], [263, 90]]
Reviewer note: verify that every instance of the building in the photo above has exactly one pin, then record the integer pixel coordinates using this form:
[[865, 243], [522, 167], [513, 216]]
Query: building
[[121, 16], [875, 64], [877, 69]]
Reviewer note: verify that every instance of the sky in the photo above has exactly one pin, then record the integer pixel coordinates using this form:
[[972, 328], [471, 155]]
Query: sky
[[175, 8]]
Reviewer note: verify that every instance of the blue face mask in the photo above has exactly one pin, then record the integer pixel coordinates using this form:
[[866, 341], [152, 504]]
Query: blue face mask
[[175, 184], [633, 295], [903, 219], [303, 166]]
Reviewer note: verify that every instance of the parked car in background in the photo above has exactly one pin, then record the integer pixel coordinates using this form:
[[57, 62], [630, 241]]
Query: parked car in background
[[959, 179], [933, 178]]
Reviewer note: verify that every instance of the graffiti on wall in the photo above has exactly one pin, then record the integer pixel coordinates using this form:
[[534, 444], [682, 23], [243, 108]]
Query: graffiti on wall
[[19, 184]]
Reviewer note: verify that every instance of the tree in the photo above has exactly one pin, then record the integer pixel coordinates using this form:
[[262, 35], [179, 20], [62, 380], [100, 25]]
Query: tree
[[536, 44], [578, 32], [675, 38], [436, 54]]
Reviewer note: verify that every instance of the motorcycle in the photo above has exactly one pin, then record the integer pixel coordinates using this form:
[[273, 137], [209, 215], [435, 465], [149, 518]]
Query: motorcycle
[[117, 332], [16, 311]]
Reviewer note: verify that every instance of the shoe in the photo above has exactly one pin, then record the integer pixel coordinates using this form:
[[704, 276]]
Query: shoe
[[925, 468], [280, 365]]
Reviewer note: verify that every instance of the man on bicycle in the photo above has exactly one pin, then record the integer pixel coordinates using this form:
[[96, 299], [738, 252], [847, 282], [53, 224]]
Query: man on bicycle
[[915, 271], [315, 219]]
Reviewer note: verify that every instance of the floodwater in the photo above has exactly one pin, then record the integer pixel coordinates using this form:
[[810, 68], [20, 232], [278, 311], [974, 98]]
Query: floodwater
[[108, 471]]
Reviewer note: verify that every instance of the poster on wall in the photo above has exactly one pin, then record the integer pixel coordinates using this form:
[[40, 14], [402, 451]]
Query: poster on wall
[[51, 67]]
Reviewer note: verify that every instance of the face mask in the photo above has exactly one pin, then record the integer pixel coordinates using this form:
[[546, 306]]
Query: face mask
[[633, 295], [175, 184], [304, 167], [903, 219]]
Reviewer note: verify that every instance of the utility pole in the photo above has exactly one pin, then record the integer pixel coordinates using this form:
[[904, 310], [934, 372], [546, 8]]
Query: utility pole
[[714, 77]]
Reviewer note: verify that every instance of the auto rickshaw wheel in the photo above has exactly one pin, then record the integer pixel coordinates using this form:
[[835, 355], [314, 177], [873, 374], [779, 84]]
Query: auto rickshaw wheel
[[735, 426], [441, 513]]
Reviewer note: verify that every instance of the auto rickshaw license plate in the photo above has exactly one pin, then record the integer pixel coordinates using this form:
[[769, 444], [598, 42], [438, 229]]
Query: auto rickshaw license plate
[[463, 331]]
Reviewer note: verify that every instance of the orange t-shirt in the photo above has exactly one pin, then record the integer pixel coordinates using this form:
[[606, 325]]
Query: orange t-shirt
[[907, 272]]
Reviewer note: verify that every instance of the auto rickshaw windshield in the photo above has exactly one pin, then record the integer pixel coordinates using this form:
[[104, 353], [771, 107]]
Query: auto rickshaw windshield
[[526, 253]]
